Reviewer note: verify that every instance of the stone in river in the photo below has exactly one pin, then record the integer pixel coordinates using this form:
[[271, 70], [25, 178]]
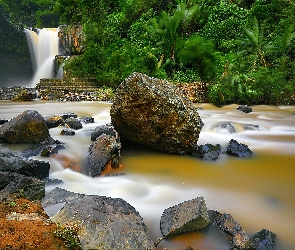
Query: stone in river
[[154, 113]]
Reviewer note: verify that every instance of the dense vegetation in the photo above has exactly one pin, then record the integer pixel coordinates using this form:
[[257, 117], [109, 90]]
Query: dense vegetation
[[243, 50]]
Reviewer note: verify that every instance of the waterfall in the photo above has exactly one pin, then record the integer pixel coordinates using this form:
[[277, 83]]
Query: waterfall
[[43, 46]]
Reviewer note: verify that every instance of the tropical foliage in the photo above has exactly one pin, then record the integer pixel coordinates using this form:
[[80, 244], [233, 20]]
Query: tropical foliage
[[243, 50]]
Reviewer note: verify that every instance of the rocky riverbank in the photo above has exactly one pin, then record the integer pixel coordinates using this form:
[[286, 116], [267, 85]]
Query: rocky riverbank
[[57, 90], [99, 222]]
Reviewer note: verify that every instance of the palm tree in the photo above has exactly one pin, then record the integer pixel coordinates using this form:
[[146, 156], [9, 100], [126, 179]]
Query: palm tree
[[255, 42], [167, 31]]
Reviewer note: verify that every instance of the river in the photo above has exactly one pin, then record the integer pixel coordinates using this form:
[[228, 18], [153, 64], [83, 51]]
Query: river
[[258, 191]]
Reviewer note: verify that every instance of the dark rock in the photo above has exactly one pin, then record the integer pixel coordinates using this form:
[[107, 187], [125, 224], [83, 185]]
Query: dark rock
[[27, 127], [245, 108], [154, 113], [20, 186], [73, 123], [2, 121], [33, 151], [106, 223], [57, 148], [227, 126], [12, 162], [49, 150], [185, 217], [238, 238], [46, 152], [87, 119], [208, 152], [69, 115], [102, 129], [53, 182], [238, 149], [53, 121], [59, 195], [264, 240], [102, 152], [67, 132]]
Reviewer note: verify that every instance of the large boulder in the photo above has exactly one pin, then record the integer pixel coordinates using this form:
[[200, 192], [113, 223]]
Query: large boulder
[[153, 113], [105, 223], [12, 162], [188, 216], [27, 127], [102, 152]]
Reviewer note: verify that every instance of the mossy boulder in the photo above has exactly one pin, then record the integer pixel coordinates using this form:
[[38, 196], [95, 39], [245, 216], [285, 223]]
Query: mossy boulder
[[155, 114]]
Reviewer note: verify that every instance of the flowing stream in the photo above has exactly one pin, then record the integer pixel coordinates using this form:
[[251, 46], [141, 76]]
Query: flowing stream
[[257, 191]]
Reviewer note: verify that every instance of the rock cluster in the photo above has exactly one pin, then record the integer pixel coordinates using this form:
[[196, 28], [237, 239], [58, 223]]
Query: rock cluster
[[145, 111], [10, 93]]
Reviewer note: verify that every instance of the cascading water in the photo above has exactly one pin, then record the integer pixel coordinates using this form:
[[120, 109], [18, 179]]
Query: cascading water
[[258, 191], [44, 46]]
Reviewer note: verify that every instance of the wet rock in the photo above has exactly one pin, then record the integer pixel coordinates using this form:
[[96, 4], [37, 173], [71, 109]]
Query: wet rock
[[73, 123], [67, 132], [208, 152], [102, 152], [105, 223], [2, 121], [264, 240], [14, 185], [187, 216], [46, 152], [12, 162], [238, 149], [59, 195], [53, 181], [228, 127], [154, 113], [238, 238], [27, 127], [87, 119], [102, 129], [58, 147], [245, 108], [53, 121], [69, 115]]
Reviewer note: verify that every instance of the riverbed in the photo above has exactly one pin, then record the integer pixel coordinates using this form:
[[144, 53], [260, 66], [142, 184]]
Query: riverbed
[[258, 191]]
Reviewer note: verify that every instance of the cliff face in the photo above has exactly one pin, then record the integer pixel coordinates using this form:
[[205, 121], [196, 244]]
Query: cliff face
[[71, 39], [15, 64]]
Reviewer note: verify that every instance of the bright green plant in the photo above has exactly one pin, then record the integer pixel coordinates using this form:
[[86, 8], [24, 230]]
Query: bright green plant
[[198, 54], [254, 42], [69, 234], [105, 93], [167, 32], [12, 204]]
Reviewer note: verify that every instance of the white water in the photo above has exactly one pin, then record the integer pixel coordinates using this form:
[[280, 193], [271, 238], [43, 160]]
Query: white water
[[257, 191], [44, 46]]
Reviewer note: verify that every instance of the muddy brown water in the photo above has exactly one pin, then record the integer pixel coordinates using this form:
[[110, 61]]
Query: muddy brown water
[[257, 191]]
